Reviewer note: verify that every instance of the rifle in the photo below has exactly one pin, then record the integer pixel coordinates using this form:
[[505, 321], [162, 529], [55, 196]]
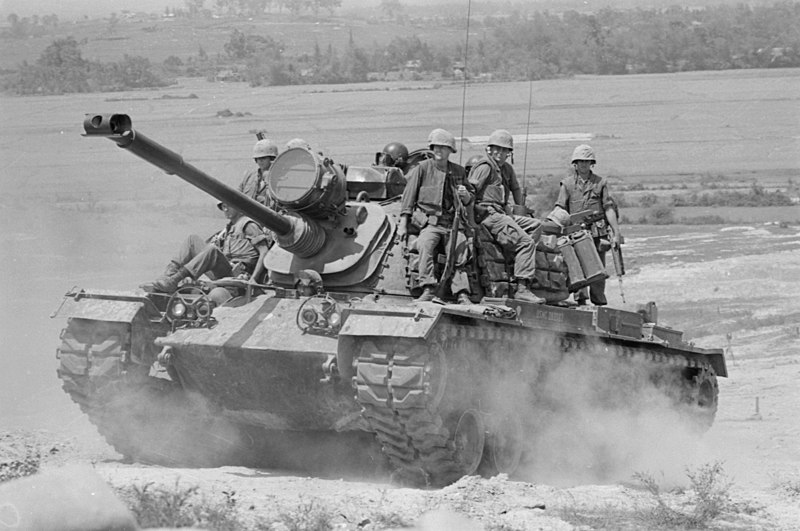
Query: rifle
[[451, 244], [585, 218], [619, 264]]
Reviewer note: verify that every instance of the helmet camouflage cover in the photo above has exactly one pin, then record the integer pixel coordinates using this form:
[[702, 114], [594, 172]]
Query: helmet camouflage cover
[[441, 137], [583, 152], [501, 138], [265, 148]]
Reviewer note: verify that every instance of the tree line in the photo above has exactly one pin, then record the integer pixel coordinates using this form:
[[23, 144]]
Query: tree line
[[541, 45], [62, 69]]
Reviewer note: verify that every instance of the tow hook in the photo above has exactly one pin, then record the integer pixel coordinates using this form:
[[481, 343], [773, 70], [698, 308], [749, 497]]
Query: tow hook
[[164, 357], [331, 370]]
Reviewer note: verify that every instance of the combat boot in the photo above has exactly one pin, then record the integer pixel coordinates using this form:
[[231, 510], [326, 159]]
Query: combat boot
[[525, 294], [172, 268], [169, 283], [463, 298], [427, 295]]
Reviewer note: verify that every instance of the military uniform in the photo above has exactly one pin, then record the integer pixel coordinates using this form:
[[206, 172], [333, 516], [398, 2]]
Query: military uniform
[[492, 188], [215, 257], [254, 185], [576, 195], [429, 201]]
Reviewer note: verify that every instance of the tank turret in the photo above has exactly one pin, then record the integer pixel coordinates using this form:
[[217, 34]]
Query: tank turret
[[317, 228]]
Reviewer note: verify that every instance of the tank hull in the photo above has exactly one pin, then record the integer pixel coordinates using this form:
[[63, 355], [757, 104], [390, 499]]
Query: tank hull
[[441, 391]]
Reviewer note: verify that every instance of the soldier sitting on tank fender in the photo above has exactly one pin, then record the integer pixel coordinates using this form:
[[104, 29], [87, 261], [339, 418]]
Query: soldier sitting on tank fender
[[429, 198], [494, 180], [585, 190], [236, 251]]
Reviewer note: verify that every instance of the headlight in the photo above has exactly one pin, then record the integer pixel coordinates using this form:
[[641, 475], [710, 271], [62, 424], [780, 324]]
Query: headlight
[[334, 319], [178, 309]]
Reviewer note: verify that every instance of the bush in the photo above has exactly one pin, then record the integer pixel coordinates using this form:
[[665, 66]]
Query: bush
[[659, 215], [20, 466], [704, 220], [180, 507], [308, 515], [710, 499], [755, 197], [648, 200]]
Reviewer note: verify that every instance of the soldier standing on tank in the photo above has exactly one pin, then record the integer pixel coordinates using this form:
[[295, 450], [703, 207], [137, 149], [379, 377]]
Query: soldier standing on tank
[[429, 203], [494, 180], [237, 250], [254, 184], [585, 190]]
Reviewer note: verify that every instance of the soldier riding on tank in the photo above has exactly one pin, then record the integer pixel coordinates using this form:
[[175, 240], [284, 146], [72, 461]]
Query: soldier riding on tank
[[393, 155], [584, 190]]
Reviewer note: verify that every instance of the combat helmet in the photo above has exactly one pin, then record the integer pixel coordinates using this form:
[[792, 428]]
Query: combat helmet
[[501, 138], [472, 161], [298, 143], [265, 148], [559, 216], [441, 137], [583, 152], [393, 154]]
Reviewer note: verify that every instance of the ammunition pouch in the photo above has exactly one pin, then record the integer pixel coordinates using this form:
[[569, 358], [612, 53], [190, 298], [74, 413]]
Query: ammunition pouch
[[419, 219], [599, 229]]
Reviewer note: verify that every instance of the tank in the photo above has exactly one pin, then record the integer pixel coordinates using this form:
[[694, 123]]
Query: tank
[[331, 364]]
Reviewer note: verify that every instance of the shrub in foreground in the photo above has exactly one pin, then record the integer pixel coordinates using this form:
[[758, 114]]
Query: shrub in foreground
[[709, 499], [181, 507]]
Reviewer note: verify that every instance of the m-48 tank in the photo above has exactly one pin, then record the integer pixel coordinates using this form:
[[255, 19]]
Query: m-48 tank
[[330, 359]]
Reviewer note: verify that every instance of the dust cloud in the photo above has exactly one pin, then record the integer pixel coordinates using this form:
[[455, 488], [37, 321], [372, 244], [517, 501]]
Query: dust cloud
[[593, 418], [180, 428]]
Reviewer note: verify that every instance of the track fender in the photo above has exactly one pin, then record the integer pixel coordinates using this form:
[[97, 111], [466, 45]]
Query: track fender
[[358, 323], [137, 316]]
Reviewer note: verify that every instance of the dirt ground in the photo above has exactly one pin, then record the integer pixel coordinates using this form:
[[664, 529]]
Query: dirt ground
[[744, 284]]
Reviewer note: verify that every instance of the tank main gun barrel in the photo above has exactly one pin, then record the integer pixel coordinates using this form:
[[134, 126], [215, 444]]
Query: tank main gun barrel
[[294, 234]]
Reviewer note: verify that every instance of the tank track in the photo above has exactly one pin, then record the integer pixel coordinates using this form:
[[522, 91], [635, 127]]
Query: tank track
[[145, 418], [413, 392]]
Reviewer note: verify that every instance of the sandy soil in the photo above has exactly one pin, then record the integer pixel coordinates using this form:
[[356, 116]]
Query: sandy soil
[[755, 436]]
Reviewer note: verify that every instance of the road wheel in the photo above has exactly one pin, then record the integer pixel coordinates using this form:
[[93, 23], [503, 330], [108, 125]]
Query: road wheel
[[469, 440]]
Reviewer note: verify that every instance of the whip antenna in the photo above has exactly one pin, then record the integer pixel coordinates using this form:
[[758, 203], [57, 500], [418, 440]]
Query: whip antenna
[[464, 92], [527, 130]]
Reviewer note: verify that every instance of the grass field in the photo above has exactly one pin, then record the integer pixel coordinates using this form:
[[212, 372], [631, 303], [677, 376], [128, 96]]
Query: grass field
[[667, 129]]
